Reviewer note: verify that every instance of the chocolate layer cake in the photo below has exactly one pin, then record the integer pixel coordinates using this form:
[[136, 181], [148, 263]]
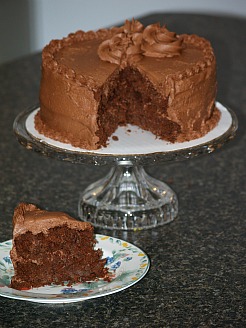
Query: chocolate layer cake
[[92, 82], [52, 248]]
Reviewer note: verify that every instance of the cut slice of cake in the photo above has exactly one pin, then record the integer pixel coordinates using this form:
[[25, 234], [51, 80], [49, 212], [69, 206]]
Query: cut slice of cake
[[53, 248]]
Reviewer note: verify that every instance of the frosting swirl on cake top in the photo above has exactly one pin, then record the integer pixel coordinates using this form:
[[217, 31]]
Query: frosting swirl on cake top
[[125, 46], [160, 42], [132, 41]]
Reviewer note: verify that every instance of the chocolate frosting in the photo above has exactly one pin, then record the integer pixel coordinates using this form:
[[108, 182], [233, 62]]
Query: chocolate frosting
[[28, 217], [132, 41], [159, 42], [124, 47], [77, 71]]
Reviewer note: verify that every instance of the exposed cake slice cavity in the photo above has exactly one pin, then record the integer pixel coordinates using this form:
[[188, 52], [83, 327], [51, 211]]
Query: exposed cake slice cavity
[[130, 98]]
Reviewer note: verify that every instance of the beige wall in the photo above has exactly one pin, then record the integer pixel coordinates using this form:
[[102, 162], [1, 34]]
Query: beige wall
[[14, 29]]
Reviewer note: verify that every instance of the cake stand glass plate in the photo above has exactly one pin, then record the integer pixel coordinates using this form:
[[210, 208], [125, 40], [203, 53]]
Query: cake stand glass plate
[[127, 265], [127, 198], [131, 142]]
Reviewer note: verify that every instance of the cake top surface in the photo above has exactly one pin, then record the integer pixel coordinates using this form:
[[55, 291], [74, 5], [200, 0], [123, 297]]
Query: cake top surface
[[91, 57], [28, 217]]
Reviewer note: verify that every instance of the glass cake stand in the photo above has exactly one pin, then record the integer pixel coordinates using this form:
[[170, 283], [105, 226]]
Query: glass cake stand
[[127, 198]]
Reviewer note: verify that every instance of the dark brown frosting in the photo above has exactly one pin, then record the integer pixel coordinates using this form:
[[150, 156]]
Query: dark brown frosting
[[51, 62], [159, 42], [125, 46], [73, 75], [132, 41], [28, 217]]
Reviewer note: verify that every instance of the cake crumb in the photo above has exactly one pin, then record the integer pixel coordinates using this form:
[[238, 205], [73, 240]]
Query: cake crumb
[[115, 138]]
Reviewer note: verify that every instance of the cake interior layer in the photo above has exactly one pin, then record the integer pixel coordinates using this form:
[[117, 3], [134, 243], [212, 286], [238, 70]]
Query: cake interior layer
[[130, 98], [61, 255]]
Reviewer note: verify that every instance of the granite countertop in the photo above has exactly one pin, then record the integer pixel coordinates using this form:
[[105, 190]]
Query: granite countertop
[[197, 273]]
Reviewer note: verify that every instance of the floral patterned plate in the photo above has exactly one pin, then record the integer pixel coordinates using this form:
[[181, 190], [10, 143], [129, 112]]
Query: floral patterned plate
[[127, 265]]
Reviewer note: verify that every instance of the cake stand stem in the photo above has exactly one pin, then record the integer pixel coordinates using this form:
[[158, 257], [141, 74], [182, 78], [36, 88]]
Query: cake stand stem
[[128, 199]]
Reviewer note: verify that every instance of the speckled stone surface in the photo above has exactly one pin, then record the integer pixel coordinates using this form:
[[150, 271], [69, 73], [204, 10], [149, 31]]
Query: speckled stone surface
[[197, 274]]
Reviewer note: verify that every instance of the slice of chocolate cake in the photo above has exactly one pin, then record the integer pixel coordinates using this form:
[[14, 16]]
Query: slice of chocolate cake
[[52, 248]]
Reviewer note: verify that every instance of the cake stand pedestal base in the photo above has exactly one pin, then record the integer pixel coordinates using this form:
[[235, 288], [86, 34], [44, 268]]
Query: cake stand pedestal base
[[128, 199]]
